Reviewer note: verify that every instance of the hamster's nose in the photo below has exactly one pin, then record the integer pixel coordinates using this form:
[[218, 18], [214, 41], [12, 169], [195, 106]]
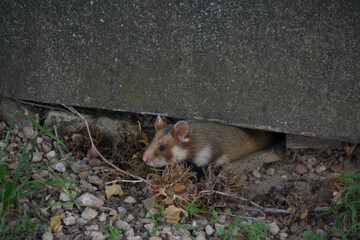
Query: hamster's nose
[[148, 157]]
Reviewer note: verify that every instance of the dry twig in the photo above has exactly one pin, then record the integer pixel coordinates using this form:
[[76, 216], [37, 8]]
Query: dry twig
[[139, 179], [257, 207]]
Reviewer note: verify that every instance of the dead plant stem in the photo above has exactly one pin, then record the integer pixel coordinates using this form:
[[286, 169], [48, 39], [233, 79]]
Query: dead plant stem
[[139, 179]]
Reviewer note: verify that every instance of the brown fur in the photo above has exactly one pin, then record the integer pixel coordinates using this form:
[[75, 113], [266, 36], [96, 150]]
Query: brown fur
[[223, 140]]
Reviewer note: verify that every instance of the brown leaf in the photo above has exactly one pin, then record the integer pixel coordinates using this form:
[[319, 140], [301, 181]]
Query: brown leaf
[[113, 190], [55, 222], [172, 214], [349, 148]]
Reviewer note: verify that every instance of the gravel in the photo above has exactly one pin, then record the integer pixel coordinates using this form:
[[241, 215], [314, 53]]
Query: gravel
[[129, 213]]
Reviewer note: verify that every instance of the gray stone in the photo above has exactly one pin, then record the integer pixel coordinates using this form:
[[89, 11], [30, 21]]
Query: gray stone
[[102, 217], [209, 230], [129, 233], [81, 222], [87, 186], [294, 228], [64, 197], [80, 166], [121, 209], [92, 228], [283, 235], [260, 58], [62, 121], [89, 214], [149, 227], [320, 169], [8, 108], [256, 174], [83, 175], [44, 173], [51, 155], [270, 171], [155, 238], [20, 134], [130, 200], [60, 167], [273, 228], [46, 147], [97, 236], [134, 238], [39, 140], [69, 220], [47, 236], [89, 200], [122, 225], [218, 226], [94, 180], [130, 217], [28, 132], [148, 203], [300, 169], [37, 157]]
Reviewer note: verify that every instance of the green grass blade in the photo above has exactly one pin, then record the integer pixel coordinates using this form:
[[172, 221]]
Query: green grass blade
[[41, 128], [63, 181], [21, 163]]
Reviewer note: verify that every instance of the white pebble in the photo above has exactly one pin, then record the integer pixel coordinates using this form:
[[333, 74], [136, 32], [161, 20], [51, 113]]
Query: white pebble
[[273, 228], [256, 174], [89, 214], [209, 230], [130, 200], [51, 155], [320, 169], [64, 197], [69, 220], [89, 200], [121, 209], [102, 217], [130, 217], [270, 171], [122, 225], [130, 232], [47, 236], [60, 167]]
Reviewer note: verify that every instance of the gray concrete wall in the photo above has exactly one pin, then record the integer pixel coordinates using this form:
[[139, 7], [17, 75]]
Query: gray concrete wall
[[289, 66]]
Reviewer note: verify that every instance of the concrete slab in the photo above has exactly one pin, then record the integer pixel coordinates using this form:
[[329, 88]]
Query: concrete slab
[[283, 66]]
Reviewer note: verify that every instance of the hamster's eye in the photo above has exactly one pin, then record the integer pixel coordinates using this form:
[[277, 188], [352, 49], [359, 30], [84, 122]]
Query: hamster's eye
[[162, 148]]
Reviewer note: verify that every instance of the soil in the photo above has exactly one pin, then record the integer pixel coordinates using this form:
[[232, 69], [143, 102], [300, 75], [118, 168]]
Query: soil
[[287, 193]]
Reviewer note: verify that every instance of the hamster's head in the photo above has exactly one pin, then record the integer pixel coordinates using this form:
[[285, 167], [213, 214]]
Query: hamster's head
[[168, 145]]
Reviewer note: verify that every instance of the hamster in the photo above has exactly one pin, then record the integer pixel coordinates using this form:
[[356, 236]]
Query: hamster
[[200, 143]]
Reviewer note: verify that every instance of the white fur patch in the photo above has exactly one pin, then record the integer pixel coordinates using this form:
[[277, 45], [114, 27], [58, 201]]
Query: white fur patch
[[203, 157], [179, 154], [158, 162], [221, 160], [186, 140]]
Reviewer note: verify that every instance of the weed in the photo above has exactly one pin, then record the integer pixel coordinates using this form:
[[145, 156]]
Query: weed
[[253, 232], [156, 220], [13, 188], [191, 209], [348, 208], [25, 226], [310, 235], [114, 234]]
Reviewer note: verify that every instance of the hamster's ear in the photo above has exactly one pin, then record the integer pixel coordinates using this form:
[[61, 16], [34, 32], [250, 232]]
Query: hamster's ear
[[159, 123], [180, 130]]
